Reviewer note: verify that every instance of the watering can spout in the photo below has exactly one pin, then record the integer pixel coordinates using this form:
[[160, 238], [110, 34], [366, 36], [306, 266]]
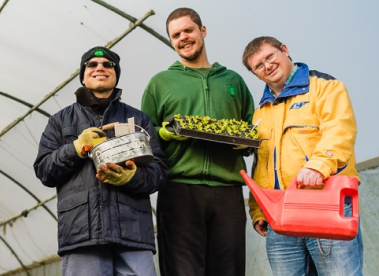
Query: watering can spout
[[267, 199]]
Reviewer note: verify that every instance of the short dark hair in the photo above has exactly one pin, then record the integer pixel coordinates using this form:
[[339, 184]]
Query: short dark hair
[[180, 12], [255, 45]]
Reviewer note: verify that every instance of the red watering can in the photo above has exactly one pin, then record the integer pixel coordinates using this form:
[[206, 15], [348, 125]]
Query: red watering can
[[315, 213]]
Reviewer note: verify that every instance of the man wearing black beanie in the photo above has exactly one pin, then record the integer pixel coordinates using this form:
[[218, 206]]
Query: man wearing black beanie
[[100, 51], [105, 224]]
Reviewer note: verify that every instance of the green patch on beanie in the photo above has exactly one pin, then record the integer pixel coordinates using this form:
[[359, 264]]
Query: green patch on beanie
[[98, 53]]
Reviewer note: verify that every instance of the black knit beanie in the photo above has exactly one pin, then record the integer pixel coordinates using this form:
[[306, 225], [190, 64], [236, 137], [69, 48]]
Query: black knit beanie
[[100, 51]]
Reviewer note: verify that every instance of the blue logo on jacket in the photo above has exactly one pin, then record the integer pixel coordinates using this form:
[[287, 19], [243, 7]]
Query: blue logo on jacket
[[298, 105]]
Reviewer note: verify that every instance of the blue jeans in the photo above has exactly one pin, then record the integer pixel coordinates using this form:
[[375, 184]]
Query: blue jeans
[[308, 256], [107, 260]]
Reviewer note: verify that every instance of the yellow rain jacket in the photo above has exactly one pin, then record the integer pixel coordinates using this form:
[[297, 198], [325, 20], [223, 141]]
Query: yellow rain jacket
[[310, 124]]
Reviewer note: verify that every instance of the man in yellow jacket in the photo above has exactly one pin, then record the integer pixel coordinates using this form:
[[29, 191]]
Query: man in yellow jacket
[[308, 129]]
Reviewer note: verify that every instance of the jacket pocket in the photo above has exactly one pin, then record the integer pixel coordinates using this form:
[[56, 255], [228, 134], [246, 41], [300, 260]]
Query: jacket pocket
[[301, 136], [306, 125], [305, 135], [136, 221], [73, 219]]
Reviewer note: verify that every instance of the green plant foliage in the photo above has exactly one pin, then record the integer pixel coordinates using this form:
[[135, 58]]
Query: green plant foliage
[[231, 127]]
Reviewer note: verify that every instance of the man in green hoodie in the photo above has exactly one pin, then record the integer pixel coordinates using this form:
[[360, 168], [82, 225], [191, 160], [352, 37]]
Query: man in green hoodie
[[201, 213]]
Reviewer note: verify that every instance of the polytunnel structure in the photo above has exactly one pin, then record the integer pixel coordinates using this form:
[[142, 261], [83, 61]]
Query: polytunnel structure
[[28, 209], [42, 41]]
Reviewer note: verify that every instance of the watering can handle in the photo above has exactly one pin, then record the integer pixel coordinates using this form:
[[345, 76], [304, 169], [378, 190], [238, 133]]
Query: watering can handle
[[294, 185], [347, 185], [332, 179]]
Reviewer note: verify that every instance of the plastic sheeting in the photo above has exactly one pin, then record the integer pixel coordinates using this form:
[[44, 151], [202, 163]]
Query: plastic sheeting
[[41, 43]]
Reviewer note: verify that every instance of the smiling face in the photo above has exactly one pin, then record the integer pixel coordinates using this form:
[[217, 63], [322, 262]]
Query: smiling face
[[100, 80], [277, 65], [188, 40]]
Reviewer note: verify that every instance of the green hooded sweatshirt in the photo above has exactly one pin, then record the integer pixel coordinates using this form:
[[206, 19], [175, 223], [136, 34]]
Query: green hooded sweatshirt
[[222, 93]]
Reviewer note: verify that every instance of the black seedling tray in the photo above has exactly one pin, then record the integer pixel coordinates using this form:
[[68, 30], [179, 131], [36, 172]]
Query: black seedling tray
[[219, 138]]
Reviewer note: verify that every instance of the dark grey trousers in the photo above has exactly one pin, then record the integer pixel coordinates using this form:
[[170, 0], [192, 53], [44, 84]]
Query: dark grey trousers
[[201, 230], [106, 260]]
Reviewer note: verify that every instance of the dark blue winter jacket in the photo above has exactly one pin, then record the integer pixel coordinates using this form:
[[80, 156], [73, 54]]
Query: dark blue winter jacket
[[91, 212]]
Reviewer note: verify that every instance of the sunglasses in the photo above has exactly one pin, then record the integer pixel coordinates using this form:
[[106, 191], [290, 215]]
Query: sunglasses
[[94, 64]]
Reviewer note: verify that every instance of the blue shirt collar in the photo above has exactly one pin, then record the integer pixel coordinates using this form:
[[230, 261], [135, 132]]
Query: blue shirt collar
[[298, 85]]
